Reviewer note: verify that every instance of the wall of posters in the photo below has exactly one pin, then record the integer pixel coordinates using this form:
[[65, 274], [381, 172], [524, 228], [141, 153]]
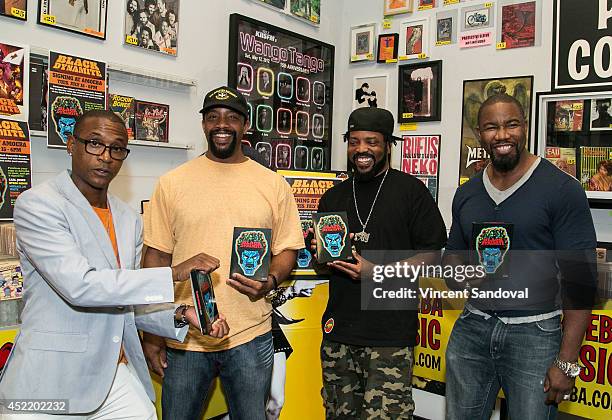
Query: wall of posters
[[287, 79], [76, 85], [579, 60], [370, 91], [17, 9], [152, 26], [86, 17], [15, 164], [474, 158], [421, 158], [14, 81]]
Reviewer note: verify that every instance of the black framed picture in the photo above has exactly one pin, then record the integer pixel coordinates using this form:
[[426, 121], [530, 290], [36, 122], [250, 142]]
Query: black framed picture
[[85, 17], [420, 92], [287, 80], [16, 9], [387, 47]]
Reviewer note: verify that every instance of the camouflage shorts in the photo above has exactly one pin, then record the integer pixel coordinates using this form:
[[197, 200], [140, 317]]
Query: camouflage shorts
[[366, 382]]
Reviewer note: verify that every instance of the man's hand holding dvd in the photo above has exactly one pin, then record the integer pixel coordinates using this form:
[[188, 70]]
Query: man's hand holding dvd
[[209, 320]]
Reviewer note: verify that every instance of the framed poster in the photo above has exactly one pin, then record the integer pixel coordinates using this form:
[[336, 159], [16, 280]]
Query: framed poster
[[387, 48], [287, 80], [76, 85], [414, 39], [480, 16], [15, 164], [446, 27], [396, 7], [85, 17], [474, 158], [581, 60], [309, 10], [152, 26], [362, 42], [370, 91], [16, 9], [426, 4], [420, 92], [518, 26], [601, 114], [14, 81], [421, 158]]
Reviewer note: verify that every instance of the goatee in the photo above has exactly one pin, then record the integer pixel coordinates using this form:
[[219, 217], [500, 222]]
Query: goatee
[[368, 175], [218, 153]]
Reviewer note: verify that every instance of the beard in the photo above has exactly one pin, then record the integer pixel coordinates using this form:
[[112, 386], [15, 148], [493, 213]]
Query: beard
[[225, 153], [369, 174], [505, 163]]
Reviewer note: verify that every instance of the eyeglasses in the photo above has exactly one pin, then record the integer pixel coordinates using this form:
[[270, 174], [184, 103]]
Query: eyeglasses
[[96, 148]]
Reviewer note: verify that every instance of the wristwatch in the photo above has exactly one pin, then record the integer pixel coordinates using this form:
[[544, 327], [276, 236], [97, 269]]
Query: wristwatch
[[570, 369], [179, 316]]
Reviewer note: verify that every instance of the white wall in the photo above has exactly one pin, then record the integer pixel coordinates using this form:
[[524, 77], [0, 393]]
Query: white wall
[[202, 55], [458, 65]]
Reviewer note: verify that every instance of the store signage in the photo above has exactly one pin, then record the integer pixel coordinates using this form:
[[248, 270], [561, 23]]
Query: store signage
[[582, 45]]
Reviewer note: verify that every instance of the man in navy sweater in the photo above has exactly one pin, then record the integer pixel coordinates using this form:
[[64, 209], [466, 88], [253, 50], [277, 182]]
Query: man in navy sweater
[[523, 213]]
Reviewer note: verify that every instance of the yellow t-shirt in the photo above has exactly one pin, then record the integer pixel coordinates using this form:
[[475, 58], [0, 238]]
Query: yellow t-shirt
[[195, 208]]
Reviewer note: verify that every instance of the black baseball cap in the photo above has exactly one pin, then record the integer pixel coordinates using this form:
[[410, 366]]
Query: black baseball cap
[[225, 97], [372, 119]]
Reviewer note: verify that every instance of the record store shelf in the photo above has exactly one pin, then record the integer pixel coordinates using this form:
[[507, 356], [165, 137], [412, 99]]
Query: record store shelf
[[146, 143]]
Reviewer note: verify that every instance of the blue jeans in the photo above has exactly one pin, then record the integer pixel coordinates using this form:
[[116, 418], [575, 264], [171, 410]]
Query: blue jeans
[[484, 355], [245, 372]]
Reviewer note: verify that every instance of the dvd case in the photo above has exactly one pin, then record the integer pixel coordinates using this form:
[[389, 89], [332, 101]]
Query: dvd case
[[333, 239], [204, 300], [251, 253]]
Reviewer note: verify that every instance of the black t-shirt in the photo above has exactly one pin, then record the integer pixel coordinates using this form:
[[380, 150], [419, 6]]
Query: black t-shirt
[[405, 217]]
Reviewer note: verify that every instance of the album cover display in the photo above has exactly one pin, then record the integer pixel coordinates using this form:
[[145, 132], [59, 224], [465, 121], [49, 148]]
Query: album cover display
[[14, 80], [569, 115], [152, 121], [333, 237], [85, 17], [152, 25], [491, 242], [596, 168], [11, 279], [204, 300], [518, 25], [287, 80], [563, 158], [251, 252], [601, 114], [76, 85], [16, 9], [124, 107]]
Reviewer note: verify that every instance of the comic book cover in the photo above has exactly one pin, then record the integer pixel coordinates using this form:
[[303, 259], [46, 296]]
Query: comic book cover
[[596, 168], [332, 235], [14, 80], [568, 115], [518, 25], [11, 280], [563, 158], [204, 300], [251, 252], [421, 158], [152, 121], [123, 106]]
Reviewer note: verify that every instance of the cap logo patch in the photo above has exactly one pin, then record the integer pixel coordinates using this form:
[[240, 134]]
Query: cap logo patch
[[222, 94]]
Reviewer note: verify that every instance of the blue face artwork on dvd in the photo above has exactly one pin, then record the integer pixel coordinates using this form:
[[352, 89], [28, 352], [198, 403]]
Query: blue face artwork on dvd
[[333, 232], [66, 127], [251, 247], [492, 245], [303, 258]]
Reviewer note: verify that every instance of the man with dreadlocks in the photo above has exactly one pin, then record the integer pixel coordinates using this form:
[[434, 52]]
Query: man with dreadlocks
[[367, 355]]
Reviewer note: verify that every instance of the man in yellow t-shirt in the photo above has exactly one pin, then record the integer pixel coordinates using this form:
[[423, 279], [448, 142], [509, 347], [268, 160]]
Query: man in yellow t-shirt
[[196, 207]]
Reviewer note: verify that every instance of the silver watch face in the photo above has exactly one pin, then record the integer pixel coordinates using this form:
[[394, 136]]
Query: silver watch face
[[574, 370]]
